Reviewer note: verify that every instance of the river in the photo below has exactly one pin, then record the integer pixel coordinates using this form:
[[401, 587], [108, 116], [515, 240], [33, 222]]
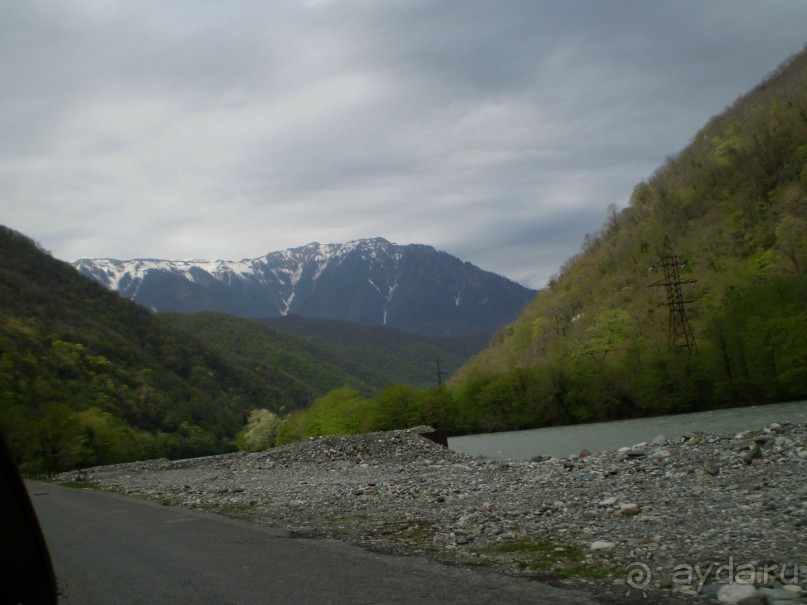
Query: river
[[563, 441]]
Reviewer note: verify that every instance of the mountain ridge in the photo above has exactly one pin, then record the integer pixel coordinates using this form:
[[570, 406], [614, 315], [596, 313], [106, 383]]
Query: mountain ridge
[[373, 281]]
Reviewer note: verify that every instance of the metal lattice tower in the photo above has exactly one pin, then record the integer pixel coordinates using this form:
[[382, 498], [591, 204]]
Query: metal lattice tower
[[679, 333]]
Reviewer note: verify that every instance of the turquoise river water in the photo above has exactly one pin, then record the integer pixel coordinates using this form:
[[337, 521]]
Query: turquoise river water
[[566, 440]]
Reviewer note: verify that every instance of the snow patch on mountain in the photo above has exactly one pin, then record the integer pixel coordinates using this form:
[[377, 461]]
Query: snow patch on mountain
[[372, 283], [287, 305], [114, 272], [411, 285]]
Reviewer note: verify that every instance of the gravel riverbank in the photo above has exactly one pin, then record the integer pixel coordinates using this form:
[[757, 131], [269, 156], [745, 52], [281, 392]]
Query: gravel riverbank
[[657, 522]]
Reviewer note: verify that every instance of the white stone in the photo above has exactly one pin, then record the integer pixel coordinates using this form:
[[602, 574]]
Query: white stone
[[734, 593], [780, 595], [628, 509], [687, 590], [601, 545]]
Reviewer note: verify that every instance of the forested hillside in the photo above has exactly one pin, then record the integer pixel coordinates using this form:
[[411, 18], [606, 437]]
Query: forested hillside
[[729, 215], [327, 354], [87, 377], [398, 355], [254, 345], [733, 208]]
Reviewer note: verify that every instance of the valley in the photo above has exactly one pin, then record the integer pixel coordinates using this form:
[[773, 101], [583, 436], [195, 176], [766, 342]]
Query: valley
[[373, 336]]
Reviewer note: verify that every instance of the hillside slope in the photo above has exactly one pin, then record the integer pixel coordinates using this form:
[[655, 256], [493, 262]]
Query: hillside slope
[[399, 355], [730, 212], [326, 354], [87, 377]]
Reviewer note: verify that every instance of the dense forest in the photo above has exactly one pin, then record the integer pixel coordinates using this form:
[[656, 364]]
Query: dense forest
[[87, 377], [396, 354], [729, 212], [326, 354]]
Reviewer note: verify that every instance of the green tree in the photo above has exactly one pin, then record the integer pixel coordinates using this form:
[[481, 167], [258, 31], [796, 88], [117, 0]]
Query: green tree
[[260, 431], [791, 239]]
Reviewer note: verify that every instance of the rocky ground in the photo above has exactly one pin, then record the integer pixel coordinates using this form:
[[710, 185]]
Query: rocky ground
[[705, 517]]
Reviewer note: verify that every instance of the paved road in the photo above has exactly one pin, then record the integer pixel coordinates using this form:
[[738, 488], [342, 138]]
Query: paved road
[[108, 548]]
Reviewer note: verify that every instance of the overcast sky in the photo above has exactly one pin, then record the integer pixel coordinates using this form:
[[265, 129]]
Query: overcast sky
[[496, 130]]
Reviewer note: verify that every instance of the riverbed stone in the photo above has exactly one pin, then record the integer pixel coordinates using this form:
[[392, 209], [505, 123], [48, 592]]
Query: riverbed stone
[[711, 468], [628, 509], [635, 453], [736, 593], [780, 594], [755, 453], [400, 493]]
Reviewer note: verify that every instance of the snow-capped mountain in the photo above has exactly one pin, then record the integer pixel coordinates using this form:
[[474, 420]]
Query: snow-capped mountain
[[373, 281]]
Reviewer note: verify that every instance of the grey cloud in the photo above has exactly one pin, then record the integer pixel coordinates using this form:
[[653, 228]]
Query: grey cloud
[[496, 131]]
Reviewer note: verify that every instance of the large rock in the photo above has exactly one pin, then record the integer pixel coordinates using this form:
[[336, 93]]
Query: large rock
[[735, 593]]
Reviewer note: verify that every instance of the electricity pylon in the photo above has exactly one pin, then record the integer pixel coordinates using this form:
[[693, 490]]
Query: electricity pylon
[[679, 333]]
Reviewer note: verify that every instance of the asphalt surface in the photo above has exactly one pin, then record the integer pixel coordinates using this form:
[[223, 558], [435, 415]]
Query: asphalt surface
[[108, 548]]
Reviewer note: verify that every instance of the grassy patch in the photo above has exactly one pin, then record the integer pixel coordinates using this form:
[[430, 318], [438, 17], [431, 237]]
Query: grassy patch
[[417, 532], [233, 508], [81, 484], [545, 558], [347, 517]]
